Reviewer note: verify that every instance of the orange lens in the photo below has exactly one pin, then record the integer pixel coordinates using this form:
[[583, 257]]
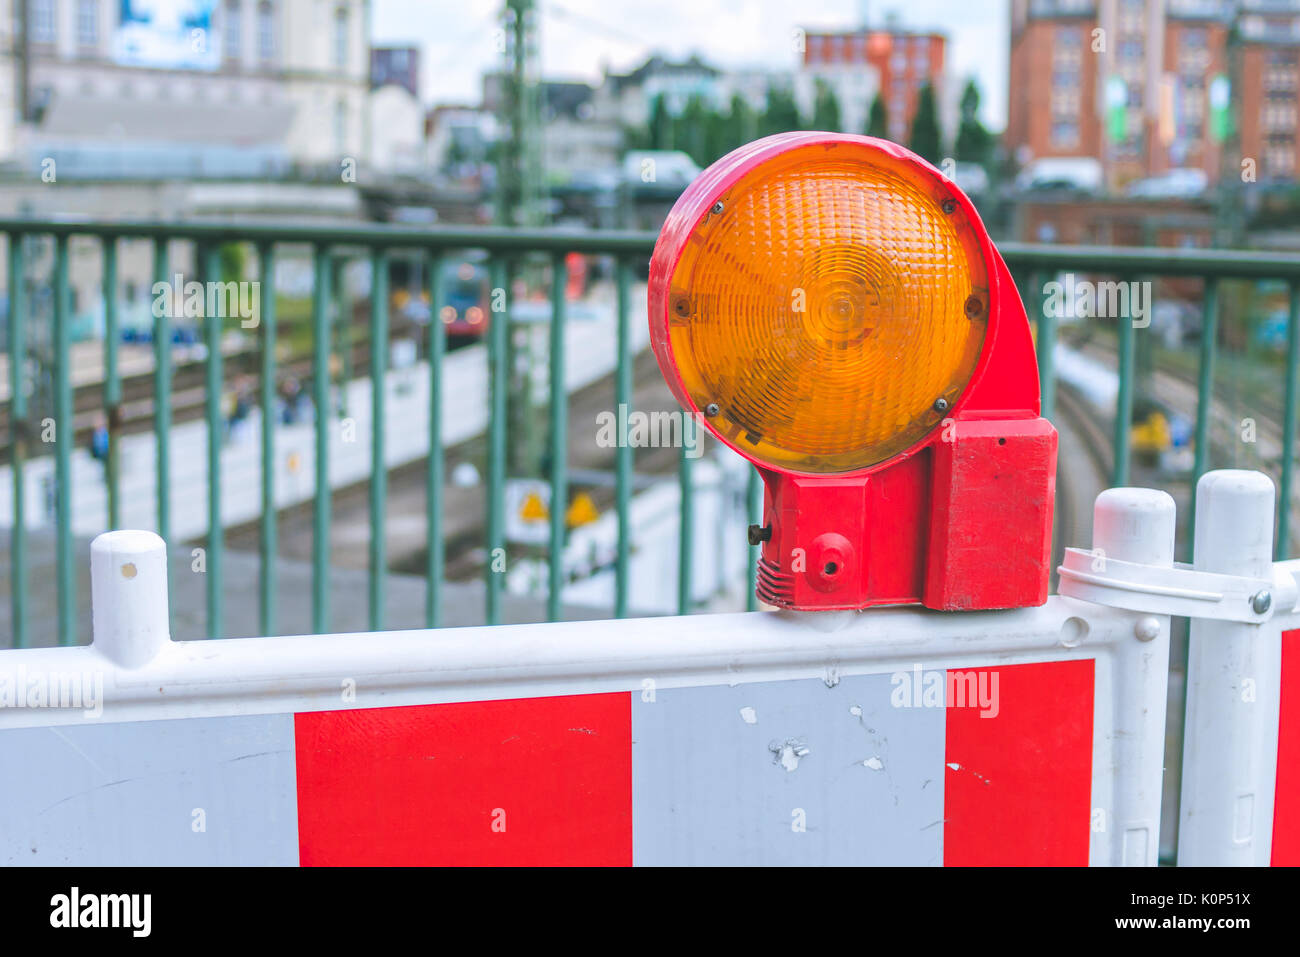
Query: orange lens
[[828, 306]]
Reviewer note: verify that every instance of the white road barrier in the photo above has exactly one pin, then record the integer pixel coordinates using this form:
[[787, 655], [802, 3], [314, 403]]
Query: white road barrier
[[892, 736]]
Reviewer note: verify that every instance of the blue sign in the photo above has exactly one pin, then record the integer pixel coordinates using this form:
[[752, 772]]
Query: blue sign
[[167, 34]]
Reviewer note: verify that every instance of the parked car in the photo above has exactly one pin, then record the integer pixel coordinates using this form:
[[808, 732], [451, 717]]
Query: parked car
[[1078, 174], [1172, 184]]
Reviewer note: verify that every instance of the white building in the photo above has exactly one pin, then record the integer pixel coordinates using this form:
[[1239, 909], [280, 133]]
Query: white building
[[121, 88], [396, 131], [576, 139]]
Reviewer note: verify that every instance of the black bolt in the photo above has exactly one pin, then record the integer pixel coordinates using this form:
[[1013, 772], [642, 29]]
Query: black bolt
[[949, 206], [711, 409], [758, 534], [941, 405], [973, 307]]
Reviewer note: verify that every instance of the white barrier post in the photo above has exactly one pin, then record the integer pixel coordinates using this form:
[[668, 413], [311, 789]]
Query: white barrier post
[[1233, 672], [1136, 525], [128, 591]]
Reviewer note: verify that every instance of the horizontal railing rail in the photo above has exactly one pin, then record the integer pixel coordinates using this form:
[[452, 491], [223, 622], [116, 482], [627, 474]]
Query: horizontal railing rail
[[380, 245]]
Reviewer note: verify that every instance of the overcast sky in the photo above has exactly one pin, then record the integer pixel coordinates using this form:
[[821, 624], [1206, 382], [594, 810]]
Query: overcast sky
[[578, 37]]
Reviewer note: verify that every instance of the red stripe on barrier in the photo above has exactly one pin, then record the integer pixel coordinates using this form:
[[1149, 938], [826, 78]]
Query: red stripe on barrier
[[521, 782], [1018, 784], [1286, 802]]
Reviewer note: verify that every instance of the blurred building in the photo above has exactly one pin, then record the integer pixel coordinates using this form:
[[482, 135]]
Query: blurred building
[[1150, 86], [896, 63], [581, 125], [130, 89], [397, 126], [458, 139], [576, 139], [396, 65], [627, 98], [1267, 62]]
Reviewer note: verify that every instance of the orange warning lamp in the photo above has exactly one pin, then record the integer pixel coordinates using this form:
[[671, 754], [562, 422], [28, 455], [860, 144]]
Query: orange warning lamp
[[831, 307]]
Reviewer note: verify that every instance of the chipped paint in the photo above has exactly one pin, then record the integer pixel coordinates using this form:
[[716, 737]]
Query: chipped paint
[[788, 753], [874, 763]]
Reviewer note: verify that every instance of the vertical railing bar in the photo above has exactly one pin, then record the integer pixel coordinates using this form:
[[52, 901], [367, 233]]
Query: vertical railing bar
[[1046, 345], [436, 555], [378, 468], [1205, 385], [1123, 399], [559, 415], [623, 452], [754, 500], [211, 272], [268, 545], [112, 384], [18, 433], [686, 537], [321, 400], [1289, 422], [65, 438], [498, 331], [162, 390], [342, 332]]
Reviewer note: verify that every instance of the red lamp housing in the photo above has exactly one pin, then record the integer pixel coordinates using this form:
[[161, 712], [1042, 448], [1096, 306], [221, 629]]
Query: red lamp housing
[[831, 307]]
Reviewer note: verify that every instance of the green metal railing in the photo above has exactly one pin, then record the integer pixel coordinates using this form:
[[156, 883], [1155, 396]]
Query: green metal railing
[[1211, 266], [504, 248], [378, 243]]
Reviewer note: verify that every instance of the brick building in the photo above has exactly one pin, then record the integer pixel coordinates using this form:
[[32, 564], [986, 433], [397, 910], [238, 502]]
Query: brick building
[[896, 63], [1267, 59], [1145, 86]]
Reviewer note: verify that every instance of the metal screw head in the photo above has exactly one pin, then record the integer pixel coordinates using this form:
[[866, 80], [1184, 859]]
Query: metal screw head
[[718, 208], [711, 409], [1147, 629], [949, 206], [682, 306], [1261, 601], [941, 405], [973, 307]]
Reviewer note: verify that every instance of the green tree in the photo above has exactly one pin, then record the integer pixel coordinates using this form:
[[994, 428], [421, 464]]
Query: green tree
[[740, 126], [691, 130], [974, 143], [878, 118], [661, 125], [925, 138], [826, 109], [780, 112], [233, 261]]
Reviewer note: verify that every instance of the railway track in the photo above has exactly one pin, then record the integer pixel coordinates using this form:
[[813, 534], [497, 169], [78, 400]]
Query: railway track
[[464, 511], [188, 392], [1083, 469], [1245, 428]]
